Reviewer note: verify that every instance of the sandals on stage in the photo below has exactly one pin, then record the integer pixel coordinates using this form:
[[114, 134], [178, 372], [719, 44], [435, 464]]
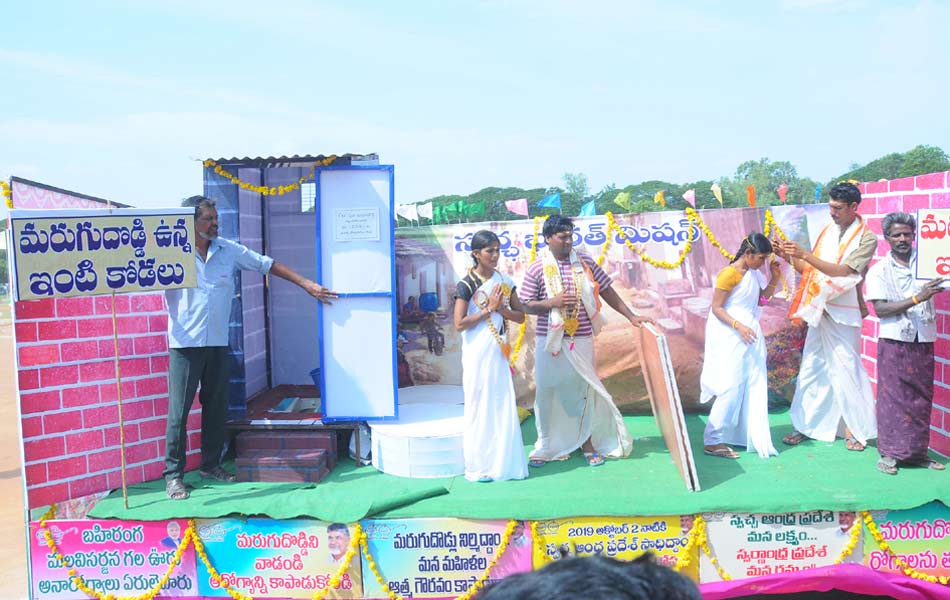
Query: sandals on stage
[[930, 464], [724, 452], [176, 490], [593, 459], [851, 443], [537, 463], [794, 439], [887, 465]]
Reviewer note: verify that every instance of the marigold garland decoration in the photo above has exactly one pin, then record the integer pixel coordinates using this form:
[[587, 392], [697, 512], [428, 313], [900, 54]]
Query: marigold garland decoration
[[897, 560], [264, 190], [80, 583], [855, 536], [7, 193], [539, 554], [475, 587]]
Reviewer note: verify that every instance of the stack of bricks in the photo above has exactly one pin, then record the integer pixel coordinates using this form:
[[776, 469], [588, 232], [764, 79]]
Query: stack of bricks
[[68, 393], [911, 194], [285, 456]]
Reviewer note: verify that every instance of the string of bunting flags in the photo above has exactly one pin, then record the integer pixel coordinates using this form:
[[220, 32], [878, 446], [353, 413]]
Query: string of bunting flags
[[460, 209]]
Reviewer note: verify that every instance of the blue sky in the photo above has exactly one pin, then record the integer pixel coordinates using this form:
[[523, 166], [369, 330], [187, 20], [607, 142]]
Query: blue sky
[[116, 99]]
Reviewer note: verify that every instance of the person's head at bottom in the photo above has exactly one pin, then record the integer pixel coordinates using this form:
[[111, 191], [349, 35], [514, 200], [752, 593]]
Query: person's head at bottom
[[595, 578]]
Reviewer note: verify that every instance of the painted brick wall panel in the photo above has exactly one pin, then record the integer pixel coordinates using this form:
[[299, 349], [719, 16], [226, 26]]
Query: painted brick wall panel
[[931, 181], [139, 409], [59, 375], [158, 323], [74, 307], [940, 442], [159, 363], [103, 304], [871, 367], [914, 202], [40, 402], [874, 187], [148, 303], [66, 468], [904, 184], [34, 450], [132, 324], [57, 330], [76, 351], [111, 434], [153, 428], [62, 422], [88, 328], [75, 397], [936, 418], [84, 441], [887, 204], [940, 200], [97, 371], [36, 474], [151, 386], [84, 486], [107, 391], [28, 379], [34, 309], [25, 332], [100, 415], [107, 459], [153, 470], [151, 344], [47, 494], [134, 367], [31, 427], [107, 347], [143, 452]]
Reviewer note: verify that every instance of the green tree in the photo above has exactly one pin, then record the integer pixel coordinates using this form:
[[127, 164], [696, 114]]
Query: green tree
[[924, 159]]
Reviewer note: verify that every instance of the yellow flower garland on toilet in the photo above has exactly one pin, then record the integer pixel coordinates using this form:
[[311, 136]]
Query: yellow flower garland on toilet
[[264, 190]]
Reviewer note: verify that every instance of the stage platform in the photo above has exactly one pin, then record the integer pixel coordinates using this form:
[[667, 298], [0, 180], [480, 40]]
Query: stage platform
[[813, 475]]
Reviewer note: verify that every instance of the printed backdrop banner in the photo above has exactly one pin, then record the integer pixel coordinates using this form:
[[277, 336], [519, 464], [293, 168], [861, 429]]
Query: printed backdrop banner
[[919, 536], [440, 558], [933, 252], [621, 538], [431, 260], [76, 253], [277, 559], [122, 558], [749, 545]]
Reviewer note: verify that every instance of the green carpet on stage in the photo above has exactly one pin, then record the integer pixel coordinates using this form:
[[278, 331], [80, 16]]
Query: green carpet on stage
[[813, 475]]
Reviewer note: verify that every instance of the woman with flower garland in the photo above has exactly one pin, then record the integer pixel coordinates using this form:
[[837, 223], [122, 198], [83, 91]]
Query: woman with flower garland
[[484, 302], [734, 371]]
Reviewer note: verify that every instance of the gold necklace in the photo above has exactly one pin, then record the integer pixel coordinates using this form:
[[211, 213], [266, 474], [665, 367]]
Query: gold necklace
[[571, 323], [501, 341]]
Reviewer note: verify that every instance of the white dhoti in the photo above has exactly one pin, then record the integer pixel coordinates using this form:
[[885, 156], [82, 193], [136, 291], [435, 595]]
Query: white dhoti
[[571, 404], [833, 391]]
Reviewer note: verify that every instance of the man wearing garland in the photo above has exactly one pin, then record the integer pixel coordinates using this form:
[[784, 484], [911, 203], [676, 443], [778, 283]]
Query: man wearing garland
[[905, 349], [198, 344], [833, 396], [572, 408]]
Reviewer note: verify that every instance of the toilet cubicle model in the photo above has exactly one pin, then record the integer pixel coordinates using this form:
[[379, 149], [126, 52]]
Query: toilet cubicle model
[[356, 258]]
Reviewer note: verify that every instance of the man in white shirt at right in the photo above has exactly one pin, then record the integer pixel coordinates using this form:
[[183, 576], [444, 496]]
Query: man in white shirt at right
[[905, 349]]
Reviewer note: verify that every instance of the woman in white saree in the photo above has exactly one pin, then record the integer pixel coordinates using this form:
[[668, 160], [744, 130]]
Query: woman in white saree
[[734, 371], [484, 302]]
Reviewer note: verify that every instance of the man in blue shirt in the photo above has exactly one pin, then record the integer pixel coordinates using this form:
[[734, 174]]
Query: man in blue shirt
[[198, 343]]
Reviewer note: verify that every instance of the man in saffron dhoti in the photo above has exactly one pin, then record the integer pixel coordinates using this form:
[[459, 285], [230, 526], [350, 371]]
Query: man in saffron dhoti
[[905, 349], [572, 408], [833, 396]]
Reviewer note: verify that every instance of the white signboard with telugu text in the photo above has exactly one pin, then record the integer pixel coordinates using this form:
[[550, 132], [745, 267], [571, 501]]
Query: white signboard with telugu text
[[356, 224]]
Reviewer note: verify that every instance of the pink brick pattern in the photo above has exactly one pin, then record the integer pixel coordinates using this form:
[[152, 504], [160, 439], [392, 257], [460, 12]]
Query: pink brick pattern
[[910, 194], [65, 353]]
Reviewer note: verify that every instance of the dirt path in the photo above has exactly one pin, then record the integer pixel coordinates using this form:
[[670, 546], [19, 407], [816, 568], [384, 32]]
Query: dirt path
[[13, 575]]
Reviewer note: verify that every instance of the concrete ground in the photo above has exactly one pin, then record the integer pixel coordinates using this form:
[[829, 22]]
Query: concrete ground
[[13, 573]]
